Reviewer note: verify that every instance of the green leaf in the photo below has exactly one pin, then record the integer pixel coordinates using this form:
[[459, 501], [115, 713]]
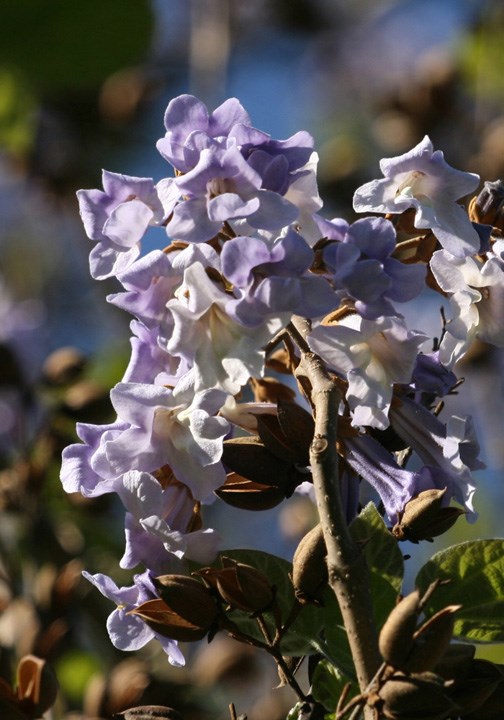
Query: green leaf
[[476, 571], [383, 557], [328, 683], [309, 623]]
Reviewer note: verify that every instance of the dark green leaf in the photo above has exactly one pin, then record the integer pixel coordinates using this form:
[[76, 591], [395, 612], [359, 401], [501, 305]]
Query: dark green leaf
[[383, 557], [328, 683], [476, 573]]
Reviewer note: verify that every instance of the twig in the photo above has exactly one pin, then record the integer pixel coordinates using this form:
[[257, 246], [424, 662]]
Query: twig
[[275, 652]]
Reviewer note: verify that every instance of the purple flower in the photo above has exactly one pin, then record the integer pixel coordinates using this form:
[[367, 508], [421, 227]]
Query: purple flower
[[423, 180], [452, 448], [190, 128], [158, 524], [170, 428], [222, 353], [85, 467], [149, 283], [130, 632], [430, 376], [373, 355], [224, 187], [364, 270], [118, 217], [148, 361], [476, 292], [273, 279], [371, 462]]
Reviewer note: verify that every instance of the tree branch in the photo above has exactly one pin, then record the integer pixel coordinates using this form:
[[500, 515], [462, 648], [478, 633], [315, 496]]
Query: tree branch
[[348, 575]]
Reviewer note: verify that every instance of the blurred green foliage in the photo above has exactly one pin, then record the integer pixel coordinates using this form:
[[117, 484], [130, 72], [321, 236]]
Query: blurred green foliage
[[63, 49]]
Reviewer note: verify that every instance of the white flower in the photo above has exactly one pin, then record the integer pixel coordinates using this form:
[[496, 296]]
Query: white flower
[[422, 179], [476, 290], [374, 355]]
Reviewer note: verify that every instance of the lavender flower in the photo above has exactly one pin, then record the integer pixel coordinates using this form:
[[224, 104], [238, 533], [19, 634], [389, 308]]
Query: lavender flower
[[273, 280], [129, 632], [165, 427], [118, 217], [476, 291], [158, 524], [363, 268], [423, 180], [453, 448], [373, 355]]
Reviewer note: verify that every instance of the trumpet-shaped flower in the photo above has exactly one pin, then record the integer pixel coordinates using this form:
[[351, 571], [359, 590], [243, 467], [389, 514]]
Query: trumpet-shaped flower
[[273, 279], [395, 485], [190, 128], [158, 524], [118, 217], [364, 270], [224, 187], [130, 632], [423, 180], [85, 467], [476, 291], [221, 352], [452, 447], [373, 355], [170, 428]]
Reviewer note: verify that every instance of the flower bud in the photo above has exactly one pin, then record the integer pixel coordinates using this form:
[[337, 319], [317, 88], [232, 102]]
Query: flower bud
[[242, 586], [249, 457], [37, 686], [396, 636], [486, 207], [309, 567], [164, 621], [424, 517], [268, 389], [186, 611], [420, 697], [187, 597]]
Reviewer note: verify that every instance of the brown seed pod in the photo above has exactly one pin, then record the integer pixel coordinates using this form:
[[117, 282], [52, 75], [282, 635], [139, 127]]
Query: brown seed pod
[[424, 517], [421, 697], [246, 494], [149, 712], [309, 567], [431, 640], [396, 636], [241, 586]]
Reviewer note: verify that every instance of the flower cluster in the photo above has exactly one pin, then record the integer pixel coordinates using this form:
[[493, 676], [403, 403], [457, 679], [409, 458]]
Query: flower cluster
[[242, 249]]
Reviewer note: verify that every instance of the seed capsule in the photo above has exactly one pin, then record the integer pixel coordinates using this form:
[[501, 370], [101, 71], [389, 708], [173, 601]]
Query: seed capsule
[[431, 641], [309, 567], [149, 712], [241, 586], [416, 698], [396, 636], [424, 517]]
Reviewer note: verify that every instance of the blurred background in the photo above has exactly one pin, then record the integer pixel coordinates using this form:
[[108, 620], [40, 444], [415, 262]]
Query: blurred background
[[83, 86]]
